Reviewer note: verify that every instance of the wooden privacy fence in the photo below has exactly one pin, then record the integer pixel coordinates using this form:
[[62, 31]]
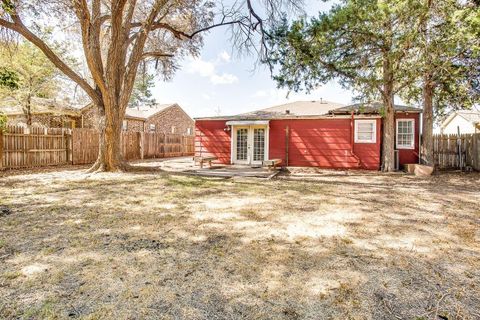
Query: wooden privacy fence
[[452, 151], [34, 147], [23, 147]]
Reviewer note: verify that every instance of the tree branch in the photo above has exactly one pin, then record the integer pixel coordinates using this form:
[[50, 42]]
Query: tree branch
[[91, 39], [156, 54], [137, 50], [19, 27]]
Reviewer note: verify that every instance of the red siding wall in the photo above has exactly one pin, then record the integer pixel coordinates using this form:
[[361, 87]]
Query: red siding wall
[[212, 140], [409, 155], [324, 143]]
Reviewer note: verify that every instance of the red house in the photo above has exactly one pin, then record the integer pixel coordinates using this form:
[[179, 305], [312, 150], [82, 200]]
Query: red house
[[310, 134]]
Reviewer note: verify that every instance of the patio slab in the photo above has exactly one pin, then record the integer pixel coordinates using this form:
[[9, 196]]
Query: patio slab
[[187, 165]]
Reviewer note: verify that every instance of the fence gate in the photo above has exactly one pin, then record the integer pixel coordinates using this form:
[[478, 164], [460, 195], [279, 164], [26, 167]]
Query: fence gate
[[131, 145], [84, 146], [452, 151]]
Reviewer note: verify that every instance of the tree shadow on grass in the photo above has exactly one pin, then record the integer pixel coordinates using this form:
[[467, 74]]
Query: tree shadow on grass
[[150, 248]]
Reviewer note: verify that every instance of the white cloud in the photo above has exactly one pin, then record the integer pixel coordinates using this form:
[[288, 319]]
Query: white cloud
[[206, 96], [208, 69], [224, 56], [201, 67], [225, 78], [260, 94]]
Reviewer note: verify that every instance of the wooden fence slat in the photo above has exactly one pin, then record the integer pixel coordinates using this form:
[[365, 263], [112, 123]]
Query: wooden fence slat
[[22, 147], [456, 151]]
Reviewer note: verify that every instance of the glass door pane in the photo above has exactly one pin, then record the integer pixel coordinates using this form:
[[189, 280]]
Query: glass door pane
[[258, 144], [242, 143]]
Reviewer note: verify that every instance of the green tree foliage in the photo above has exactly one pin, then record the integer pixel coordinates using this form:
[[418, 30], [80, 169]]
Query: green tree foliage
[[447, 55], [361, 43], [447, 63], [142, 89], [3, 122], [37, 76], [8, 78]]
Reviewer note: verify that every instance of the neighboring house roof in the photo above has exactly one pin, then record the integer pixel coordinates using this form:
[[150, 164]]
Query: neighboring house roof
[[40, 106], [372, 108], [145, 112], [472, 116], [309, 109]]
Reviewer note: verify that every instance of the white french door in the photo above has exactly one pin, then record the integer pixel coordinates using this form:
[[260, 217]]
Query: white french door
[[250, 144]]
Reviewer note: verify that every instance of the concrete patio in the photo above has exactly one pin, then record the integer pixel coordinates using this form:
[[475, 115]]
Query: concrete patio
[[187, 165]]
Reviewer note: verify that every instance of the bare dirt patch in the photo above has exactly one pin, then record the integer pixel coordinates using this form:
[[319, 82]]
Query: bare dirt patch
[[344, 245]]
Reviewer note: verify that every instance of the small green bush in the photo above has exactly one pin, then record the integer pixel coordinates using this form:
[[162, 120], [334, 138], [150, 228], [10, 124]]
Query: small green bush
[[3, 122]]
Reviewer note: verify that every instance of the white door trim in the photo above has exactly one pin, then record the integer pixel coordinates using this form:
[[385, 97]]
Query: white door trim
[[250, 144], [234, 145]]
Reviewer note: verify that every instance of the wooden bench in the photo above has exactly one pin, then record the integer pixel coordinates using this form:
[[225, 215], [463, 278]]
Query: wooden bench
[[202, 160], [272, 163]]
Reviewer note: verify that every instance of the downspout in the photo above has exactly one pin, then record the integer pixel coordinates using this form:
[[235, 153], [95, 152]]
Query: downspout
[[352, 140], [287, 142], [420, 140]]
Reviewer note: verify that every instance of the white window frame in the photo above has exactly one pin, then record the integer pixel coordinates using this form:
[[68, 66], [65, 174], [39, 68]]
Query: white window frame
[[124, 125], [152, 127], [412, 145], [173, 129], [374, 135], [189, 131]]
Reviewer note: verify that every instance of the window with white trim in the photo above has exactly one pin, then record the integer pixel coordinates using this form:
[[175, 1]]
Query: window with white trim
[[152, 127], [365, 131], [174, 129], [405, 133], [124, 125], [189, 131]]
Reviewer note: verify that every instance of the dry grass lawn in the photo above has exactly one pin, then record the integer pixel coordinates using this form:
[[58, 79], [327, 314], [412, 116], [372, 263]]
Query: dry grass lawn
[[152, 246]]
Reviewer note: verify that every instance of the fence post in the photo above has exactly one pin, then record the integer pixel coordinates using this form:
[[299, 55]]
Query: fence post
[[182, 145], [1, 150], [141, 142], [68, 145], [476, 151], [164, 144]]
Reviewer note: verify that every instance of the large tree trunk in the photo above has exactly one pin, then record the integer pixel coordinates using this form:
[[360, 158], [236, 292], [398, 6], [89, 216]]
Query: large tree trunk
[[28, 110], [110, 158], [388, 143], [427, 126], [426, 148]]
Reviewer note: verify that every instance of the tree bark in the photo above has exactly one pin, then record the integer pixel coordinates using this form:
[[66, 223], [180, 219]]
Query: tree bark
[[426, 154], [28, 111], [388, 143], [110, 156]]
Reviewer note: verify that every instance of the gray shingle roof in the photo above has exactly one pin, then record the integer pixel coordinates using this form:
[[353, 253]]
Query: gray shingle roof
[[309, 109], [371, 108], [40, 106], [297, 109], [144, 112]]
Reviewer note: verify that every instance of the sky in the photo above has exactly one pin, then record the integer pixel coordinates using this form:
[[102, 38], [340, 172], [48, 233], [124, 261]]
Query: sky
[[221, 83]]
